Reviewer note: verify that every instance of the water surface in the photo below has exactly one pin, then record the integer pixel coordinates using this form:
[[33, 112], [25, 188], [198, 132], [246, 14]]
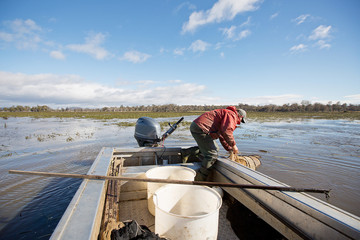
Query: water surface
[[301, 153]]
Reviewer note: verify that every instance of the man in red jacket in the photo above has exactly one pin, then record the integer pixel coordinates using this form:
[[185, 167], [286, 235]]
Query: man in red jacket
[[219, 123]]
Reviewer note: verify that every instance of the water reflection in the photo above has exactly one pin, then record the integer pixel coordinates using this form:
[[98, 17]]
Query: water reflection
[[307, 153]]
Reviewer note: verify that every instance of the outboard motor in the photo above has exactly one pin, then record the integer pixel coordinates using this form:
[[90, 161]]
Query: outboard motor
[[147, 132]]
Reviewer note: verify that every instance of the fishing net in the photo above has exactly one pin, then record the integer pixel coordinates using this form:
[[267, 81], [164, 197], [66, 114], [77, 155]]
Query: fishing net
[[248, 161]]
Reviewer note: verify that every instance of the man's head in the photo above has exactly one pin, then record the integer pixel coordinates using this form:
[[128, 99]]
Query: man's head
[[242, 115]]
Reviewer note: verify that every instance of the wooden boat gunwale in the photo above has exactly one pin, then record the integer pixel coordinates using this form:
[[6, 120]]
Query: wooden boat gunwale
[[274, 202]]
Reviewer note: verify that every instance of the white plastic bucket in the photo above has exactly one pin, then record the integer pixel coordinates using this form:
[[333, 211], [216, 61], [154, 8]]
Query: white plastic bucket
[[188, 212], [166, 172]]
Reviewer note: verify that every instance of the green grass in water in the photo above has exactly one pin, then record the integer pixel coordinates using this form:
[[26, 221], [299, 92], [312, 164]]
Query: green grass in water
[[134, 115]]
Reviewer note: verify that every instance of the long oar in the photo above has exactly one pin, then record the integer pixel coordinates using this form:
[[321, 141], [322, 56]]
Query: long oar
[[157, 180]]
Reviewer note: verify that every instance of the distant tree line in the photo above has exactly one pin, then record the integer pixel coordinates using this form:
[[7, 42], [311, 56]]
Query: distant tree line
[[19, 108], [305, 106]]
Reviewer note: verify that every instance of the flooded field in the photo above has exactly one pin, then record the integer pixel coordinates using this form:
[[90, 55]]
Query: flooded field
[[302, 153]]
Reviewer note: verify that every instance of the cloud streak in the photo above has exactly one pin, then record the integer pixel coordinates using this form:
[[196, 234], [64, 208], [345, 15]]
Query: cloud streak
[[301, 19], [57, 55], [320, 32], [298, 48], [222, 10], [135, 57], [92, 46], [322, 44], [234, 34], [273, 16]]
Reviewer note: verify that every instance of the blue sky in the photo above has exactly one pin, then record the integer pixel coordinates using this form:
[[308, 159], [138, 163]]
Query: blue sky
[[111, 53]]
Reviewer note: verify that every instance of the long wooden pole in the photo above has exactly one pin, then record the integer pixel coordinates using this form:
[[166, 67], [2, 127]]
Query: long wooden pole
[[157, 180]]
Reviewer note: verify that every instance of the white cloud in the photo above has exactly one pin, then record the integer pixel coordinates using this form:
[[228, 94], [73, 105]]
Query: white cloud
[[135, 57], [199, 46], [229, 32], [243, 34], [274, 16], [219, 45], [246, 23], [25, 34], [320, 32], [146, 82], [24, 26], [57, 55], [298, 48], [222, 10], [234, 33], [7, 37], [296, 98], [175, 81], [163, 50], [44, 87], [320, 37], [277, 100], [52, 20], [92, 46], [322, 44], [179, 51], [185, 93], [71, 90], [354, 99], [186, 5], [300, 19]]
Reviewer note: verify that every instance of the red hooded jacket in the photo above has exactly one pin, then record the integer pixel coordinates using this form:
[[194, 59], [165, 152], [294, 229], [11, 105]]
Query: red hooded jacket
[[220, 123]]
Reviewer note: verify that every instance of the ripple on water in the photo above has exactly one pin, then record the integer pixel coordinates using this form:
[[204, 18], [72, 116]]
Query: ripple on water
[[321, 153]]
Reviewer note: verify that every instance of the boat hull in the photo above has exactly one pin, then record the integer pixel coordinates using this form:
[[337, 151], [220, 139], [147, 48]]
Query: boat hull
[[294, 215]]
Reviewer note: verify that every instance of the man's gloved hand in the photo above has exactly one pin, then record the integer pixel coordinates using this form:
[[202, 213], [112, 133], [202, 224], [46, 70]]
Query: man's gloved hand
[[235, 149]]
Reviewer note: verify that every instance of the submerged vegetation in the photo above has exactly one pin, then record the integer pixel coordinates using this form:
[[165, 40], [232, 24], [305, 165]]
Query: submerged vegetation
[[134, 115], [96, 115]]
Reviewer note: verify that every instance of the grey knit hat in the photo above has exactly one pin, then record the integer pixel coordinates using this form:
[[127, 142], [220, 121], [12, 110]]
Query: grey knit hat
[[242, 114]]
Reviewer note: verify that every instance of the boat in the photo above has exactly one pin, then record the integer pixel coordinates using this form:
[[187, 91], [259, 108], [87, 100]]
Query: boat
[[99, 204]]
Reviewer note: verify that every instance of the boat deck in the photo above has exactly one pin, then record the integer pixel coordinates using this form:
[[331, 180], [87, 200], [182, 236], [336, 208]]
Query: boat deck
[[137, 210], [130, 203]]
